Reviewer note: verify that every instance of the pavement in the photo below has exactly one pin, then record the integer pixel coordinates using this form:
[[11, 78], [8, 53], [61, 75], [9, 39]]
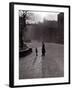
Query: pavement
[[50, 65]]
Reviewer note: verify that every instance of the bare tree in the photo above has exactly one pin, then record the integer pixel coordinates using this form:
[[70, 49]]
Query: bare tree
[[23, 16]]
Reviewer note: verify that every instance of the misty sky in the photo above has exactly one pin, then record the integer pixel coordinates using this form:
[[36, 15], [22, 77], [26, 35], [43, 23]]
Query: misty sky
[[37, 17]]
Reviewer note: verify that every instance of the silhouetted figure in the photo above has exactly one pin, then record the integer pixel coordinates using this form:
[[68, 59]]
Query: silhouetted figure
[[43, 49], [36, 52]]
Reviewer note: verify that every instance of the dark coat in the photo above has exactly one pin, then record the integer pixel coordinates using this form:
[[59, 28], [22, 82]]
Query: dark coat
[[43, 48]]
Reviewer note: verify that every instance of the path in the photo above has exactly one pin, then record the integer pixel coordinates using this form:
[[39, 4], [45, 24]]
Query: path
[[50, 65]]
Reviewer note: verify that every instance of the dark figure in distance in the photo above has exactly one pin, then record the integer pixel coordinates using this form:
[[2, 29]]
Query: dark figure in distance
[[43, 49], [36, 52]]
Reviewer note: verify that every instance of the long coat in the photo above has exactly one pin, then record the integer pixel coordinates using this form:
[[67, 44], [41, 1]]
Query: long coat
[[43, 49]]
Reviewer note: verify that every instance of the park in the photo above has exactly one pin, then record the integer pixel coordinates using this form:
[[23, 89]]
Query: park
[[35, 28]]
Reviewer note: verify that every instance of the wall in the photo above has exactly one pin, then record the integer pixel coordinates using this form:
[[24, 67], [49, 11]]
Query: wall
[[4, 44]]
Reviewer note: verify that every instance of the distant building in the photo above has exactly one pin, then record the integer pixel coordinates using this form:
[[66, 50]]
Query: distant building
[[61, 27], [61, 19]]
